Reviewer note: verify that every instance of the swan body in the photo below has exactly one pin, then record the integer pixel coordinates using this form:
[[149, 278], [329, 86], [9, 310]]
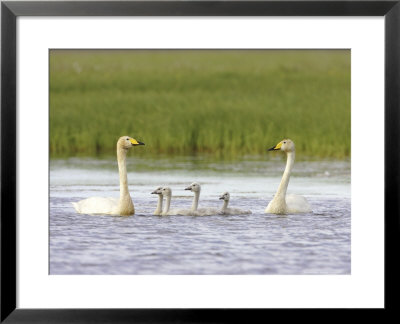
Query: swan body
[[230, 211], [297, 204], [158, 210], [282, 203], [96, 205], [196, 188], [113, 206]]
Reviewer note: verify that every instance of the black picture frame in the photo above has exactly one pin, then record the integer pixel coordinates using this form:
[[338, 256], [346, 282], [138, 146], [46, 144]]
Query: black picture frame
[[10, 10]]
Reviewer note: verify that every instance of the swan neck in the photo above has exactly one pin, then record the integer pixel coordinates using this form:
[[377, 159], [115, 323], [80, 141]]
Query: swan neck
[[167, 204], [195, 203], [286, 175], [158, 210], [225, 205], [123, 178]]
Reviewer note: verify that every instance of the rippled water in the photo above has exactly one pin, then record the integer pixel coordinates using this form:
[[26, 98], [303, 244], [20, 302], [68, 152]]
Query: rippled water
[[315, 243]]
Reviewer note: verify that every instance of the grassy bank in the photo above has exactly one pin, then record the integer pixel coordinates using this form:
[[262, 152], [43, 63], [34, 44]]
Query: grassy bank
[[183, 102]]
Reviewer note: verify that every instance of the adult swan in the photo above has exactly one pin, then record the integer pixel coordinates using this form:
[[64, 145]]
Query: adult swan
[[282, 203], [113, 206]]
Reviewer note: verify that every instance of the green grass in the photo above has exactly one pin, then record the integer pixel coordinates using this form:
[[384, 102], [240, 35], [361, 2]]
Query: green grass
[[227, 102]]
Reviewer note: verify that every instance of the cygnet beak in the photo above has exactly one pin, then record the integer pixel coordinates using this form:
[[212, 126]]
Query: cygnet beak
[[155, 192], [188, 188], [222, 197]]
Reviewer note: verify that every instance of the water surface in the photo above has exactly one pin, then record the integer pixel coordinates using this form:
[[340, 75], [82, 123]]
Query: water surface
[[315, 243]]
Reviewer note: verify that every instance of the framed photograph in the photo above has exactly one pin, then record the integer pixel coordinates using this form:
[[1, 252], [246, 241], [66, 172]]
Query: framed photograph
[[197, 161]]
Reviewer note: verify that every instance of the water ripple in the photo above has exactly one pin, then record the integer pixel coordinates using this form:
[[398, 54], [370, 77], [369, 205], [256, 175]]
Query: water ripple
[[315, 243]]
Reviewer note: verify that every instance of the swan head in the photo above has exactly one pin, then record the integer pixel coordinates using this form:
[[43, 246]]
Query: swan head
[[127, 142], [225, 196], [285, 145], [195, 187], [157, 191], [166, 191]]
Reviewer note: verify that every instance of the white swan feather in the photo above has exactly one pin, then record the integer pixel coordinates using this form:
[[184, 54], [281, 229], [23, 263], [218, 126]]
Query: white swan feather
[[158, 210], [167, 194], [283, 203], [225, 210], [113, 206], [205, 211]]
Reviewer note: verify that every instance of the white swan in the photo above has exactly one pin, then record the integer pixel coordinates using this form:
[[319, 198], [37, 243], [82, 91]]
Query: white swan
[[167, 193], [282, 203], [230, 211], [158, 210], [196, 188], [113, 206]]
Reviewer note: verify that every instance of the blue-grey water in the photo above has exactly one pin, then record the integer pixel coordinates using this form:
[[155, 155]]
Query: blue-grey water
[[314, 243]]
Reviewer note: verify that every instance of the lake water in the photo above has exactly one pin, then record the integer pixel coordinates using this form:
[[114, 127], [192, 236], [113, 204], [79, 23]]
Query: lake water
[[315, 243]]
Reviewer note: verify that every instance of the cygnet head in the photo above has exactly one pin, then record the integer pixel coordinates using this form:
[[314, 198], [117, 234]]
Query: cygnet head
[[285, 145], [225, 196], [157, 191], [127, 142], [195, 187], [166, 191]]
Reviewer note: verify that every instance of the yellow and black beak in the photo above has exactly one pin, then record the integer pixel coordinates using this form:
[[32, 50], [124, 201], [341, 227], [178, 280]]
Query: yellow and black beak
[[135, 142], [276, 147]]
